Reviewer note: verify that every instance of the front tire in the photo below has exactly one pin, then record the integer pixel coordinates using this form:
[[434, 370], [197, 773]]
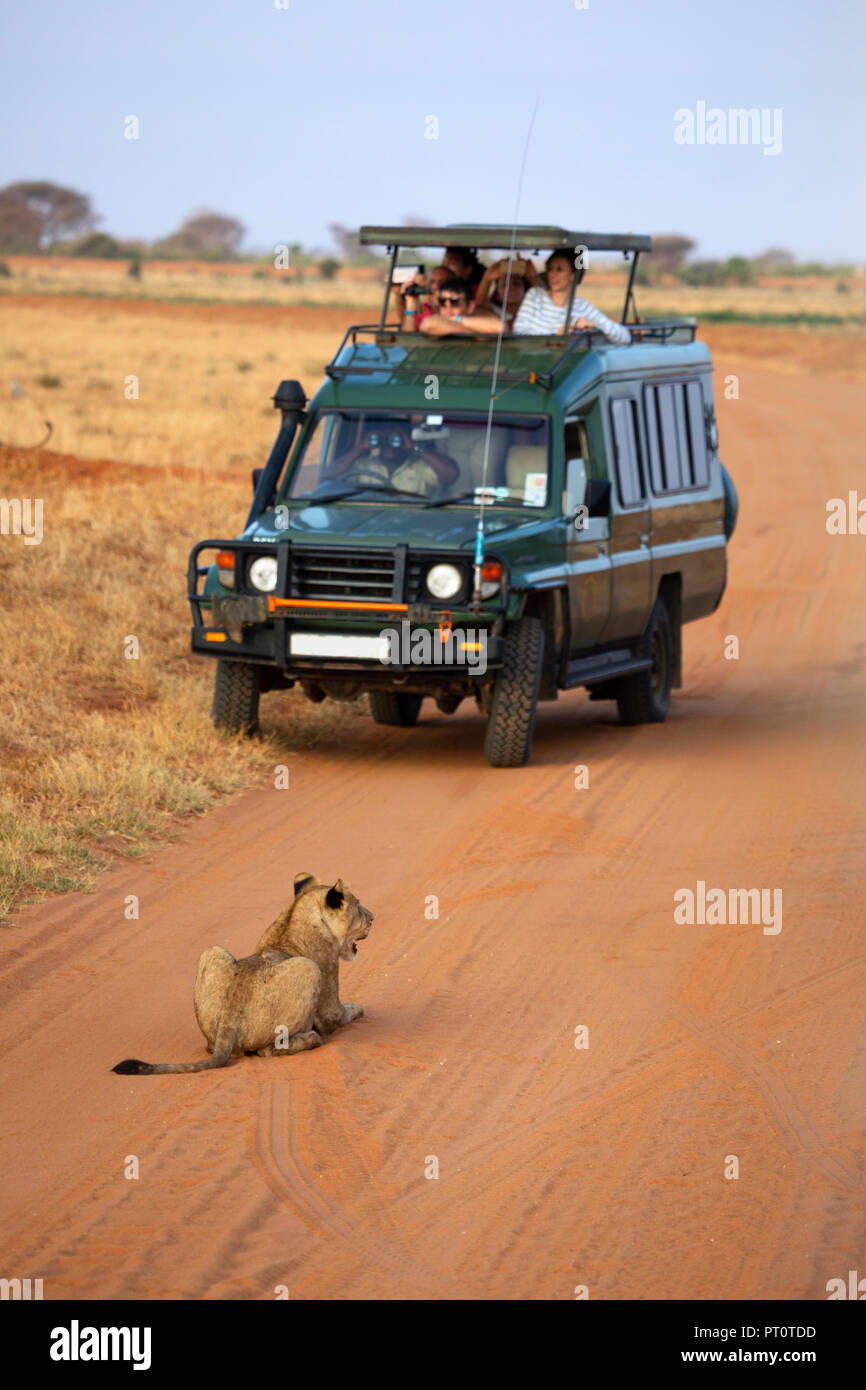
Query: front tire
[[511, 723], [236, 697], [644, 698], [397, 709]]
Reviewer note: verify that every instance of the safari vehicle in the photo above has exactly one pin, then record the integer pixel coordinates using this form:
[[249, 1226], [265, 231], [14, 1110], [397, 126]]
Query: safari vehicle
[[583, 520]]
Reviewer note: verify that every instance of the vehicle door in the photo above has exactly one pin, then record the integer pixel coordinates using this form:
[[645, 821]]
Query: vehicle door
[[631, 518], [586, 547], [688, 512]]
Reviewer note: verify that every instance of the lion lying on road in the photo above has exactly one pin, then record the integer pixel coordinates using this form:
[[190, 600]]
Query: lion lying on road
[[285, 996]]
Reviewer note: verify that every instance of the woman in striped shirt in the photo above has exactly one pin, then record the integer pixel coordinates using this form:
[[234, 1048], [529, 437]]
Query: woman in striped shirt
[[544, 311]]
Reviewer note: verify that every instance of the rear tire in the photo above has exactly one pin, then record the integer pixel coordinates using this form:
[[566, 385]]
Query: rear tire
[[511, 722], [399, 710], [644, 698], [236, 697]]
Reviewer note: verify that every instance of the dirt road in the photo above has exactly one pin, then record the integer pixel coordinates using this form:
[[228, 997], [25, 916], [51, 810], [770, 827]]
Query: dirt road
[[558, 1166]]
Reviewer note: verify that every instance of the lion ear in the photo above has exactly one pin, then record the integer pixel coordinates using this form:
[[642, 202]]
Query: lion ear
[[304, 881], [335, 896]]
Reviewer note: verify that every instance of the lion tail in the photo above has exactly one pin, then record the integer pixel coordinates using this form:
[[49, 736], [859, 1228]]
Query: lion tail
[[224, 1046]]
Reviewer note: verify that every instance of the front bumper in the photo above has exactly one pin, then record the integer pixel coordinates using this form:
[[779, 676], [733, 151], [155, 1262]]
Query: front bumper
[[258, 628]]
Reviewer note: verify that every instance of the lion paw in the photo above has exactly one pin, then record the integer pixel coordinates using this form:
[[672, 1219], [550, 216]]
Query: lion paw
[[351, 1012]]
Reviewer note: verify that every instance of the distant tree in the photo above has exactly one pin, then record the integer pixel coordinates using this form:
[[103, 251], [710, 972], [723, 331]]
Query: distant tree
[[670, 251], [206, 234], [328, 267], [98, 244], [775, 258], [20, 225], [349, 246], [347, 241], [60, 211], [738, 270], [704, 273]]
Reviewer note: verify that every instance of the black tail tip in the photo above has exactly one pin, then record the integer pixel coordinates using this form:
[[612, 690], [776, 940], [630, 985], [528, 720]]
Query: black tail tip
[[132, 1067]]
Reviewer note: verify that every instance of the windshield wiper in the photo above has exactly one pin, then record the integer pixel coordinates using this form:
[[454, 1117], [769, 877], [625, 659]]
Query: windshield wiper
[[458, 497], [368, 487]]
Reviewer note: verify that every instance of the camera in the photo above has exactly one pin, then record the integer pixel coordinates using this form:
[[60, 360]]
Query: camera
[[404, 273]]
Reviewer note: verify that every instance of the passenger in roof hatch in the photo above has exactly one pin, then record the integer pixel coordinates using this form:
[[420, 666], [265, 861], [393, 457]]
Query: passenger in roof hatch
[[463, 262], [455, 315], [544, 311], [412, 308], [492, 289], [387, 457]]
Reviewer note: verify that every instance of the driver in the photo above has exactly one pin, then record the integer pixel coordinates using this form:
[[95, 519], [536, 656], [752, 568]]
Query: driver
[[387, 457]]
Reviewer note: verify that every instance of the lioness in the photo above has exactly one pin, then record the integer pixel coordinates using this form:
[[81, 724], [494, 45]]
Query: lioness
[[289, 986]]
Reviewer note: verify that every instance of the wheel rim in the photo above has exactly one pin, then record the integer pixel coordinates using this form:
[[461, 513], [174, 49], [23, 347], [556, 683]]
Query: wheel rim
[[659, 657]]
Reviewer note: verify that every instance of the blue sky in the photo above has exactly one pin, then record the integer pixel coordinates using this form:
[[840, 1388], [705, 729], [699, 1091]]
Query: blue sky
[[293, 118]]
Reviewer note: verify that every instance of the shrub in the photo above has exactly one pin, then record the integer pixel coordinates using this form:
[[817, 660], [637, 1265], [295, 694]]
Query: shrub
[[98, 244]]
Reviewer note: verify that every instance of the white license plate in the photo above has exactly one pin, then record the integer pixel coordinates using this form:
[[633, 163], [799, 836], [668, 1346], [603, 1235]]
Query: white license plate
[[327, 644]]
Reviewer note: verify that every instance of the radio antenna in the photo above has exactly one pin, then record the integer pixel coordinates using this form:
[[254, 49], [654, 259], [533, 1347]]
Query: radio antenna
[[479, 534]]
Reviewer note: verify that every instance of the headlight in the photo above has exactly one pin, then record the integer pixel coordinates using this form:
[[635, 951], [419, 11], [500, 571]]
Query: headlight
[[262, 573], [444, 581]]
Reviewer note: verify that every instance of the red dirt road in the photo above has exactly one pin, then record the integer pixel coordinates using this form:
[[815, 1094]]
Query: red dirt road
[[558, 1166]]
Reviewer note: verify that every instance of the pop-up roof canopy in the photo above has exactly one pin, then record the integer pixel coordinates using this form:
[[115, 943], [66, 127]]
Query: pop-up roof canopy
[[487, 236], [490, 236]]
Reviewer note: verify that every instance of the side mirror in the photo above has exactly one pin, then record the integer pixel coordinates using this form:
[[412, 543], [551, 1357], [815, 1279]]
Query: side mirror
[[575, 485], [597, 497], [257, 473]]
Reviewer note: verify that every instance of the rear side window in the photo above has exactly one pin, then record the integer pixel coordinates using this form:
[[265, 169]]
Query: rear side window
[[629, 464], [675, 436]]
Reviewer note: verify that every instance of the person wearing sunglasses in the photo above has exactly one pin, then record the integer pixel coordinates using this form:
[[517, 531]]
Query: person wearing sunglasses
[[412, 308], [454, 315]]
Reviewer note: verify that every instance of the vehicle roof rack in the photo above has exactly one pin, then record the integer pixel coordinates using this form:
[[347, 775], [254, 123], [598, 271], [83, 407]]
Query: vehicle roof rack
[[423, 355]]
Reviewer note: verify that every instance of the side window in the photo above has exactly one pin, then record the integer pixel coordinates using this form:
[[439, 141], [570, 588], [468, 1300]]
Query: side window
[[676, 436], [629, 465], [697, 434]]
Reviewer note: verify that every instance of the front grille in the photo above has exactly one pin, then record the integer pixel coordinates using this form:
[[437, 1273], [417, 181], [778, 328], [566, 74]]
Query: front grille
[[342, 574], [416, 568]]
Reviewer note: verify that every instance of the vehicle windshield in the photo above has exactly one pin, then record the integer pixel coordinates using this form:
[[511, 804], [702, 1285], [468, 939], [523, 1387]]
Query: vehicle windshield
[[422, 458]]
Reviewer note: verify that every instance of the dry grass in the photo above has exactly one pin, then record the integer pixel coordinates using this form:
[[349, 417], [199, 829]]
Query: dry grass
[[360, 289], [201, 281], [204, 378], [103, 753]]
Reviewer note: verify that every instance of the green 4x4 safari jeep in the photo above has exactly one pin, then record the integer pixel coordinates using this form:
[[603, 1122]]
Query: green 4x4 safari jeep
[[491, 517]]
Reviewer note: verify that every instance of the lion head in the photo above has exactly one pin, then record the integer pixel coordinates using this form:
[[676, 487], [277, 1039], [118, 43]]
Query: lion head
[[337, 910]]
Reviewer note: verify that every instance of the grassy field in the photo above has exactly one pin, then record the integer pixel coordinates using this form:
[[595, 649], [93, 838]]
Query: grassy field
[[814, 299], [101, 753], [203, 378]]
